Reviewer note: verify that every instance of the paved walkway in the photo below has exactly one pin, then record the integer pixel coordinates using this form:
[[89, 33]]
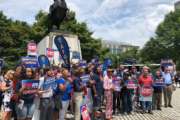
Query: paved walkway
[[165, 114]]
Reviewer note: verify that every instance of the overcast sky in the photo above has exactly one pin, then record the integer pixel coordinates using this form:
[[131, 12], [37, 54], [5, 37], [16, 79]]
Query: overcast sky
[[130, 21]]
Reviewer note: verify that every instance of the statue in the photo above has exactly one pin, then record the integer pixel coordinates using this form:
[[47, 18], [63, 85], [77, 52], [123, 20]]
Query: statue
[[57, 13]]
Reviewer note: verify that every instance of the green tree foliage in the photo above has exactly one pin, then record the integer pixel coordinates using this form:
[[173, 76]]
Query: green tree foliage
[[166, 42], [13, 39], [131, 53]]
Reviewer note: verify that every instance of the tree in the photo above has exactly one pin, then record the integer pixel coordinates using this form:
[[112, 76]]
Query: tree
[[13, 39], [166, 42]]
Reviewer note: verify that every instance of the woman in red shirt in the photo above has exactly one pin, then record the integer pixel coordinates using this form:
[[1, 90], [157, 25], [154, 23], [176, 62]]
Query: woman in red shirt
[[146, 90]]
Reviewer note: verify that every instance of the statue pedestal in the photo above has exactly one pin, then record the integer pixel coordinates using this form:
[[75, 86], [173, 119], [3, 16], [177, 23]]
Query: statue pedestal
[[48, 42]]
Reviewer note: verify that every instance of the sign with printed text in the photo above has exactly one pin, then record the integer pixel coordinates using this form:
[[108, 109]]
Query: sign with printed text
[[30, 62], [32, 48], [31, 86], [49, 52], [159, 82], [43, 61], [85, 79], [50, 83], [146, 91], [85, 113], [131, 84]]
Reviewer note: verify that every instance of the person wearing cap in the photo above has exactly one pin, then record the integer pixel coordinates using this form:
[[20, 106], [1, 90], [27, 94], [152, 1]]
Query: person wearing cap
[[109, 87], [146, 90]]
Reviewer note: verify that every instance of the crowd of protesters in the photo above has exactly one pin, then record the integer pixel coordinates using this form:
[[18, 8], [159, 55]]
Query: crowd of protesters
[[121, 90]]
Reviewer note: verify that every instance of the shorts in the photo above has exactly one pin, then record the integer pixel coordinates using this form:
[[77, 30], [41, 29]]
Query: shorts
[[7, 106], [26, 111]]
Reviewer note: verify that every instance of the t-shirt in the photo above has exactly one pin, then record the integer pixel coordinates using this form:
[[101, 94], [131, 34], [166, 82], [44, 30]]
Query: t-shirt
[[146, 81], [66, 95], [167, 78], [28, 98]]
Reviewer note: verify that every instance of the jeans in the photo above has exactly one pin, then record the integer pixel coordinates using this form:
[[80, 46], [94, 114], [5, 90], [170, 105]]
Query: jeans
[[147, 105], [46, 109], [157, 100], [26, 111], [127, 101], [62, 112], [116, 100]]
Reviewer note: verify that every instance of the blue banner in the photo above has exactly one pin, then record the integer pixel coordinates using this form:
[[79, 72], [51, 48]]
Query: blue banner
[[63, 49], [85, 79], [30, 62], [43, 61], [30, 85], [50, 83]]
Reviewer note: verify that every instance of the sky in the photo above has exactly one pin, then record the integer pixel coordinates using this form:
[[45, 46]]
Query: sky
[[128, 21]]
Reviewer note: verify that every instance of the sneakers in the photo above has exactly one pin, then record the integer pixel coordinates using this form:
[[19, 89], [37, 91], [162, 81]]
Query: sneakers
[[170, 106], [150, 112]]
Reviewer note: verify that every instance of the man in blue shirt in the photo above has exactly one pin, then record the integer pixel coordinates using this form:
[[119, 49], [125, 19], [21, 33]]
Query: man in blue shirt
[[168, 79], [65, 88]]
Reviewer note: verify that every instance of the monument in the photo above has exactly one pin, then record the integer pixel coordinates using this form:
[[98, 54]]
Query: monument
[[57, 14]]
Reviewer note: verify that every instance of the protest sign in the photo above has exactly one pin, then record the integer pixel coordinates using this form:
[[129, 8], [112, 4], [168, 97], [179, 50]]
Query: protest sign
[[49, 83], [32, 49], [146, 91], [43, 61], [63, 49], [85, 79], [85, 113], [31, 86], [29, 62], [159, 83], [131, 84]]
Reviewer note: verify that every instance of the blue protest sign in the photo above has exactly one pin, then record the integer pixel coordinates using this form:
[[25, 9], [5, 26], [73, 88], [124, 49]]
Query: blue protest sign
[[30, 62], [107, 63], [63, 49], [85, 79], [43, 61], [50, 83]]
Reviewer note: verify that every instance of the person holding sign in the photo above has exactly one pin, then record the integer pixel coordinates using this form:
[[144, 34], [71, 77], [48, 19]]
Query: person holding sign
[[78, 92], [158, 89], [146, 90], [65, 89], [47, 85], [109, 87], [27, 90]]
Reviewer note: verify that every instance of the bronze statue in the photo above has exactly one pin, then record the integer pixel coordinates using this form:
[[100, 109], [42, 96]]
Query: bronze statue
[[57, 13]]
